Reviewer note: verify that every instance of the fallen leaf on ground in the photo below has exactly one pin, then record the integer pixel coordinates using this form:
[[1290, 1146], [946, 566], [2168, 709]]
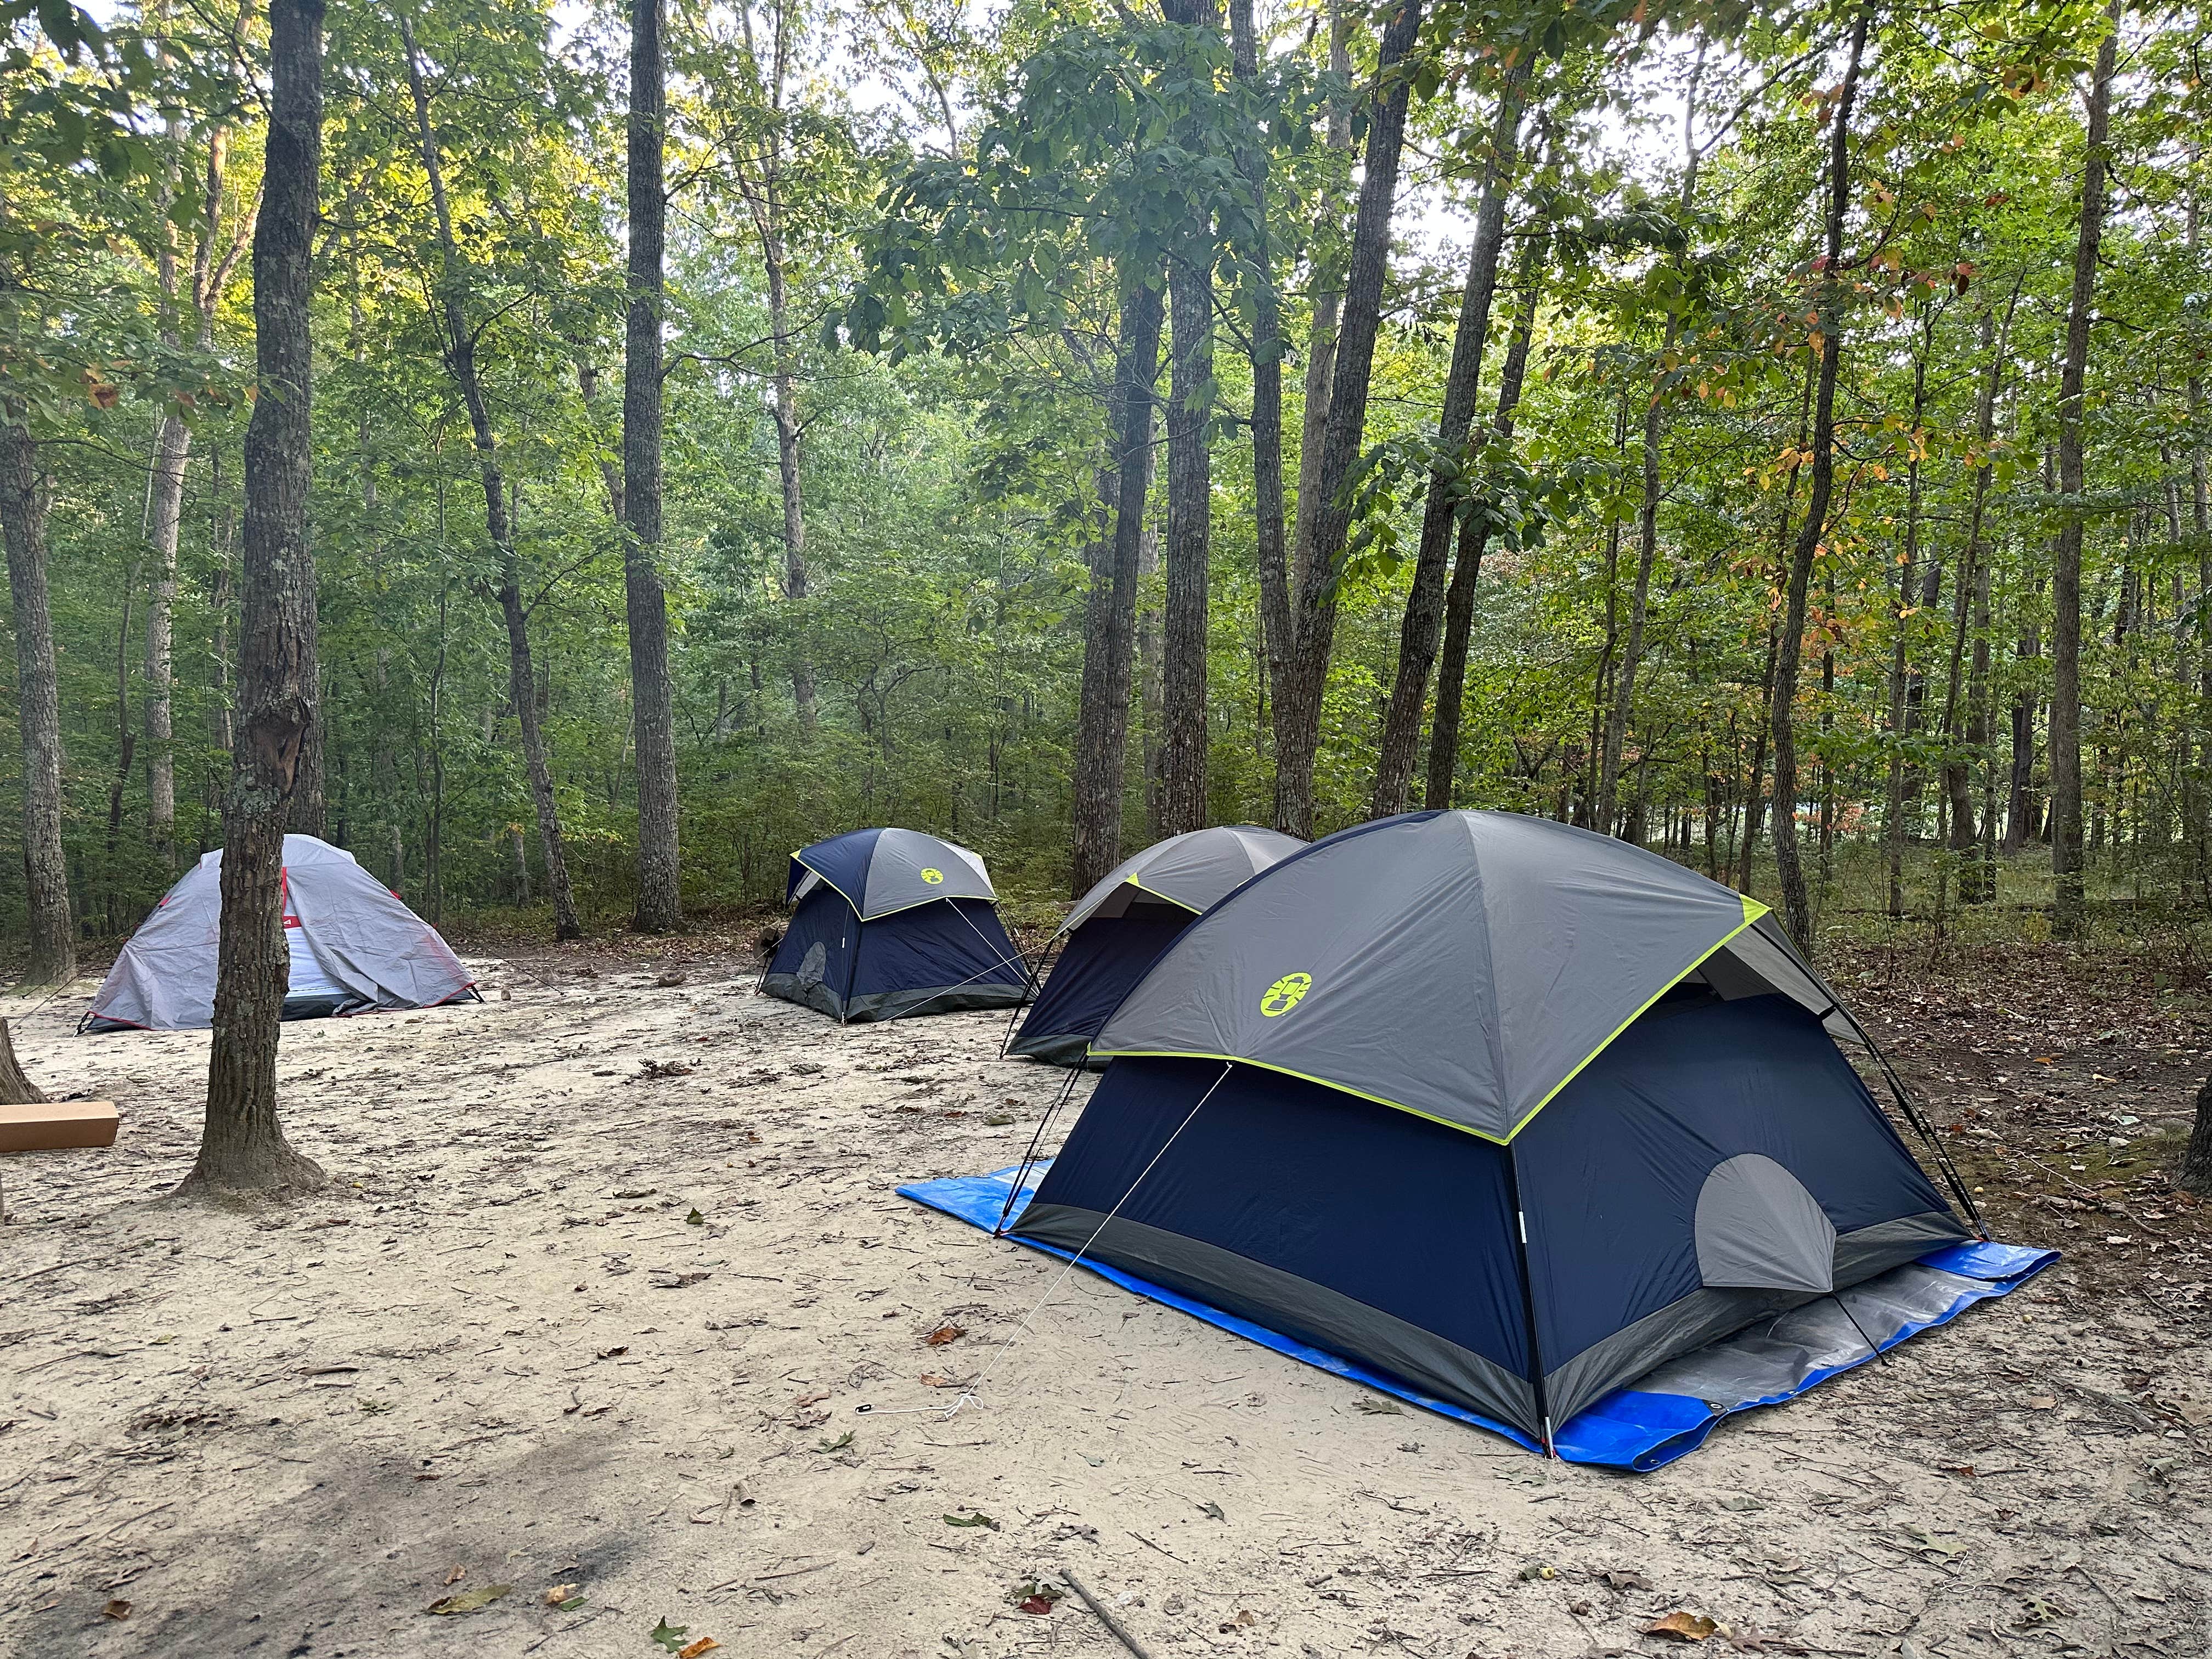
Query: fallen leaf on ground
[[695, 1220], [117, 1610], [560, 1593], [456, 1575], [670, 1635], [704, 1645], [471, 1600], [2040, 1402], [1211, 1509], [974, 1518], [1378, 1408], [1683, 1627], [944, 1334], [613, 1353], [836, 1445], [1628, 1581]]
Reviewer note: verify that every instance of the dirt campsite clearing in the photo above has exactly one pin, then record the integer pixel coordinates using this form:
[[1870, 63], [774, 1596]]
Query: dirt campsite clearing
[[568, 1360]]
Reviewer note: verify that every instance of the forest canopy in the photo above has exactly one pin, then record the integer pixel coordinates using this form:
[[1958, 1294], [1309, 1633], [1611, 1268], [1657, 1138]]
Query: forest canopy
[[1773, 434]]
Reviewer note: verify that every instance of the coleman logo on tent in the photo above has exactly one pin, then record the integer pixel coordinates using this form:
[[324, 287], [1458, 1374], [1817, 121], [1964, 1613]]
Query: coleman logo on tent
[[1284, 994], [932, 877]]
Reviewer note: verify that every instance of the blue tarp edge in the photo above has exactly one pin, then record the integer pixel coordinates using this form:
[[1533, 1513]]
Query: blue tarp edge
[[1629, 1428]]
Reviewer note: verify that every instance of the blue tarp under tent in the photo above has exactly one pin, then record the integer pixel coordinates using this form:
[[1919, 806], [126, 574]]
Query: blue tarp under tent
[[890, 922], [1521, 1124], [1118, 929]]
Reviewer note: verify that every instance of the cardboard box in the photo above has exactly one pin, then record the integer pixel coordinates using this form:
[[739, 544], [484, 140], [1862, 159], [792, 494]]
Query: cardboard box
[[57, 1125]]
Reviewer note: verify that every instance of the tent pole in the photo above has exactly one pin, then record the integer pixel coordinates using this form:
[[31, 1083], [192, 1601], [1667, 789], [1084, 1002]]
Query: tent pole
[[1528, 1296], [1032, 978], [1028, 1156]]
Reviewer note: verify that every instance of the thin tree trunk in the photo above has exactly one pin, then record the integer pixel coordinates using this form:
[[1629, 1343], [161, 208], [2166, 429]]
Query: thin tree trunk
[[242, 1145], [763, 196], [1190, 501], [1474, 538], [1400, 737], [1746, 850], [1905, 688], [1102, 719], [1277, 628], [1834, 290], [2068, 897], [1298, 699], [461, 360], [166, 506], [1971, 582], [24, 493], [1321, 367], [1647, 521], [660, 894]]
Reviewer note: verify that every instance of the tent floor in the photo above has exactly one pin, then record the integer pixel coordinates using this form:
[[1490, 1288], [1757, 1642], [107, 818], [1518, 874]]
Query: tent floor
[[1670, 1410]]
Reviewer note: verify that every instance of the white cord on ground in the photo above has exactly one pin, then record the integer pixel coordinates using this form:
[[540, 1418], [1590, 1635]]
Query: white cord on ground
[[967, 1396]]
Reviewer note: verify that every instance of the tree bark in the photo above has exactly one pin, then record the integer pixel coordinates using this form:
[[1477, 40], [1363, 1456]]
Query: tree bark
[[1400, 737], [461, 361], [1968, 725], [1321, 367], [1473, 539], [659, 895], [242, 1145], [1189, 567], [1321, 553], [1833, 298], [2195, 1175], [2066, 916], [23, 497], [1102, 718]]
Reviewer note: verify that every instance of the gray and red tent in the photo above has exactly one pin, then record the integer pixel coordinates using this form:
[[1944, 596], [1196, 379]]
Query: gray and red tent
[[1118, 929], [355, 946], [1528, 1126]]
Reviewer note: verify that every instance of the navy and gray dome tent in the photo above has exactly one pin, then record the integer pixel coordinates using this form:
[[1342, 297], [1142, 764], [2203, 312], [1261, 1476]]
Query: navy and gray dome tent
[[891, 919], [1119, 928], [1512, 1120]]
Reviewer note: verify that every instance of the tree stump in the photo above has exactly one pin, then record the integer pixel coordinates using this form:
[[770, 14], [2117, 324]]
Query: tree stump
[[2196, 1174], [16, 1090]]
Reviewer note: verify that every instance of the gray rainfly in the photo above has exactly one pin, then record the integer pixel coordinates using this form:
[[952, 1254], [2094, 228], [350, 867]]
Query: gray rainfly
[[1118, 929]]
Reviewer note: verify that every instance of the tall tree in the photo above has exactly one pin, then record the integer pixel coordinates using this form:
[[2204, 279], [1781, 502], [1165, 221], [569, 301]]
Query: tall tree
[[1320, 554], [23, 487], [462, 338], [1445, 506], [659, 895], [1473, 541], [761, 177], [1647, 518], [2066, 917], [1103, 715], [1190, 497], [242, 1145], [1833, 295]]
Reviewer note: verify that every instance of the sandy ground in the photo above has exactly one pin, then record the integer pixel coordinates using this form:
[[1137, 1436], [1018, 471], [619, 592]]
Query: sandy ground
[[503, 1351]]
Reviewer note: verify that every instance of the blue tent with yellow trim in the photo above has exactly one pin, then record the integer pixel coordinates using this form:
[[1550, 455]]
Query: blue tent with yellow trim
[[889, 922], [1509, 1119]]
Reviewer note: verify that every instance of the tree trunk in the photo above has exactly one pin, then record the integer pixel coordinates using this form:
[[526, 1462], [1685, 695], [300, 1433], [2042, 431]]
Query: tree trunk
[[2066, 915], [1473, 538], [23, 497], [2195, 1175], [15, 1088], [659, 895], [1968, 728], [461, 360], [1833, 298], [1321, 366], [1401, 739], [1189, 569], [164, 503], [1267, 344], [1321, 554], [763, 195], [1102, 719], [242, 1146], [1647, 520]]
